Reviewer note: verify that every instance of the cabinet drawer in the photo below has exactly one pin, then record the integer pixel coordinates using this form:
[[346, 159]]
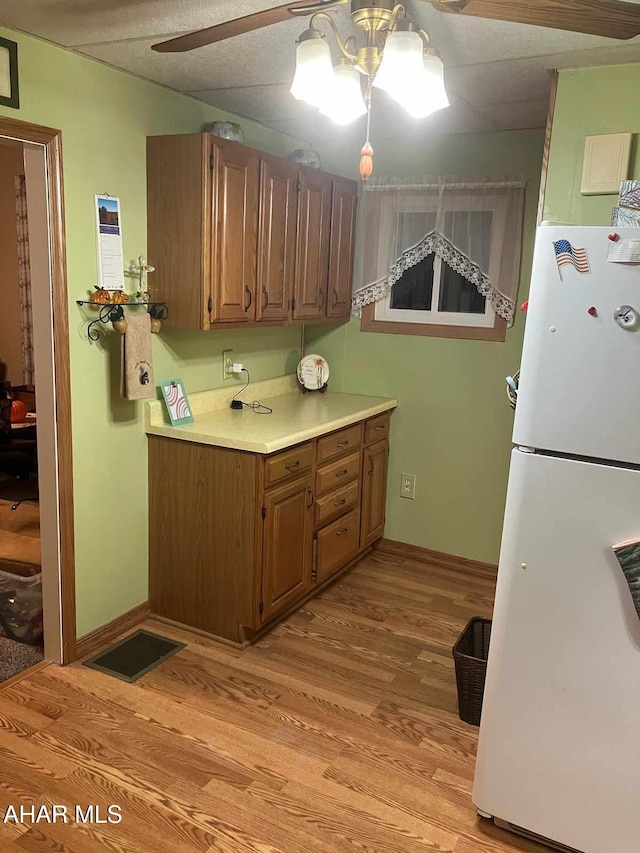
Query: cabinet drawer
[[337, 473], [337, 503], [377, 428], [288, 463], [339, 443], [337, 544]]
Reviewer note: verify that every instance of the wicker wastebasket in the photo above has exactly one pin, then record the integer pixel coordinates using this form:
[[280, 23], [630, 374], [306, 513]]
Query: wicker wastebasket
[[470, 654]]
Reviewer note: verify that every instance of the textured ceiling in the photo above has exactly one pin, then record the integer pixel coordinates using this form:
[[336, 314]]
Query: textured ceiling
[[496, 73]]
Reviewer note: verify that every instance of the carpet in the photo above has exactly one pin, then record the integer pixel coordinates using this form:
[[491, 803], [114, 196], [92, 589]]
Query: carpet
[[16, 657]]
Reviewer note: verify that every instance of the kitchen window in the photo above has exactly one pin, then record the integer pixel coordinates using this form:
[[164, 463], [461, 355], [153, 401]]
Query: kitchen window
[[442, 257]]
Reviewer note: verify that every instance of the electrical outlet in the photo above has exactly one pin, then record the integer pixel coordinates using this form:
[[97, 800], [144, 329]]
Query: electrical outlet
[[227, 363], [408, 486]]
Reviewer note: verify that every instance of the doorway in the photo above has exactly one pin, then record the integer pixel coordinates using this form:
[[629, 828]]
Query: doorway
[[36, 474]]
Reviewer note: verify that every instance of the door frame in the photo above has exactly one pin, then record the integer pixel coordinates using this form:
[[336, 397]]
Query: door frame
[[51, 141]]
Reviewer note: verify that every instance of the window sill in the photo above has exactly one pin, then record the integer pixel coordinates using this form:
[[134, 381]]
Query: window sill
[[497, 332]]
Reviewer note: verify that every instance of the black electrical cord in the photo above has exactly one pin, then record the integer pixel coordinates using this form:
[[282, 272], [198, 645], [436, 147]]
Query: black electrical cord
[[256, 407]]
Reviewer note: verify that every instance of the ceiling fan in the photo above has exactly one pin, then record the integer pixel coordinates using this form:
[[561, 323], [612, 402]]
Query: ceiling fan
[[398, 56], [611, 18]]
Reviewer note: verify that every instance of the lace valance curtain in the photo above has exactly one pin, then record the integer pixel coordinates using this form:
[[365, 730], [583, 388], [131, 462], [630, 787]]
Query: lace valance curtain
[[475, 228]]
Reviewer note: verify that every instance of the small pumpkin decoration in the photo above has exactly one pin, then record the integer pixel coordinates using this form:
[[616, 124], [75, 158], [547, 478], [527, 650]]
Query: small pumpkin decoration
[[101, 296], [18, 411], [119, 297]]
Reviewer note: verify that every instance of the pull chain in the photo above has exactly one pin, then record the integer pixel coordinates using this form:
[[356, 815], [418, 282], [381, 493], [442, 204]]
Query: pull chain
[[366, 152]]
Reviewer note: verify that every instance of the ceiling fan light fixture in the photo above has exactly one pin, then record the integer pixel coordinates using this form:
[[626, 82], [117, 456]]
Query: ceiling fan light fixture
[[314, 71], [344, 101], [401, 61]]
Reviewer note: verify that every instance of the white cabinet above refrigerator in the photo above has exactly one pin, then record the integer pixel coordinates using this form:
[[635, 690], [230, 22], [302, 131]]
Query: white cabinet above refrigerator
[[580, 375]]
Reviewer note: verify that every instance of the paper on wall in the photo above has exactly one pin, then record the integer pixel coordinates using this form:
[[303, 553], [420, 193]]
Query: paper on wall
[[109, 238]]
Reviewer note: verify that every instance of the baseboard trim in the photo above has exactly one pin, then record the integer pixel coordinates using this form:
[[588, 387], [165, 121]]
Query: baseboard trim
[[447, 561], [101, 636]]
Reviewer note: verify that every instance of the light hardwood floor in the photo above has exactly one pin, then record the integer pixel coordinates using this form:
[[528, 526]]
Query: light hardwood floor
[[337, 732]]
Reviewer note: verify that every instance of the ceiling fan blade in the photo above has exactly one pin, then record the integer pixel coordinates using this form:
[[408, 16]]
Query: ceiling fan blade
[[237, 26], [611, 18]]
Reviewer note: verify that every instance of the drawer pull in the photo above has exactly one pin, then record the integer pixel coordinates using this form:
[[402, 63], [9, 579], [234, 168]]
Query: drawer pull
[[340, 502], [343, 531], [342, 473], [378, 428], [343, 443], [291, 466]]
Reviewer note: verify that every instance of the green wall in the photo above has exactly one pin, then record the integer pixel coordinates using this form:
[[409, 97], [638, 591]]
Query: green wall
[[105, 116], [589, 101], [453, 424]]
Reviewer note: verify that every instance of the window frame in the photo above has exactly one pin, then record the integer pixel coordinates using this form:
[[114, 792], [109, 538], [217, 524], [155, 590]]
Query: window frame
[[377, 317]]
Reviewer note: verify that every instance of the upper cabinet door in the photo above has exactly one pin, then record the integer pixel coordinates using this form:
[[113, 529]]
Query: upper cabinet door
[[312, 263], [276, 239], [235, 232], [341, 251]]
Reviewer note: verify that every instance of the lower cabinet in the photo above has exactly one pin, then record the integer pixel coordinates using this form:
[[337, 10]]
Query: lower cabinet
[[286, 556], [238, 539], [374, 492]]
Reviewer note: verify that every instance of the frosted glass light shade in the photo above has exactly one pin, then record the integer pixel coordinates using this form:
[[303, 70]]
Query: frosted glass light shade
[[401, 60], [314, 71], [425, 93], [344, 102]]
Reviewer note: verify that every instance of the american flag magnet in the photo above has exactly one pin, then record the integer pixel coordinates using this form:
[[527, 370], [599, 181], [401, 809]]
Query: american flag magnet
[[568, 254]]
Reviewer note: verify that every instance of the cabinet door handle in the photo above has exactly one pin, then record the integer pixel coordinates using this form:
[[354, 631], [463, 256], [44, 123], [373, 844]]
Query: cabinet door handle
[[247, 291], [370, 471], [334, 300], [343, 443], [310, 491], [265, 298], [321, 297], [291, 466], [342, 473], [340, 502], [343, 531]]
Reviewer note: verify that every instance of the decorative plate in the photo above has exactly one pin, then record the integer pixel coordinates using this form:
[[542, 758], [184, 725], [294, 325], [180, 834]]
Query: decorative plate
[[313, 372]]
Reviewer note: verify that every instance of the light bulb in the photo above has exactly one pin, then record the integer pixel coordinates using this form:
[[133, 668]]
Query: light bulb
[[401, 60], [314, 71], [424, 93], [343, 102]]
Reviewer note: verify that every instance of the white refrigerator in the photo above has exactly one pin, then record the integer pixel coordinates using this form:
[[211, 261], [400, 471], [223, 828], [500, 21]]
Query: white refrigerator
[[559, 749]]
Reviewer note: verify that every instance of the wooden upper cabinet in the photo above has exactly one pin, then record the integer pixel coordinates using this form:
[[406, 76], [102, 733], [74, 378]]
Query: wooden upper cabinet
[[341, 249], [235, 231], [276, 239], [312, 261], [239, 237], [178, 233]]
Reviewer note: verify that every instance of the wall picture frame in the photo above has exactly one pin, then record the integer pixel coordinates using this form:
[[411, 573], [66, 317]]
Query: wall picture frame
[[9, 91]]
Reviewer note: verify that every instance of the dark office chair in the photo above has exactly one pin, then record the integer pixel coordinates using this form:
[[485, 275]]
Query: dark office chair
[[18, 459]]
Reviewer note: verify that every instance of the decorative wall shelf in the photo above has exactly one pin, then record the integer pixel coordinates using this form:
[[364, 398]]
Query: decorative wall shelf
[[111, 312]]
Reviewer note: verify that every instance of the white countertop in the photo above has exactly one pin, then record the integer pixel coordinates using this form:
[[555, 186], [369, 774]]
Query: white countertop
[[296, 417]]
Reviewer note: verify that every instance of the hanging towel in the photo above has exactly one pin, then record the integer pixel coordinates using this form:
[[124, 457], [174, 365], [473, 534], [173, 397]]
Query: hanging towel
[[136, 378]]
